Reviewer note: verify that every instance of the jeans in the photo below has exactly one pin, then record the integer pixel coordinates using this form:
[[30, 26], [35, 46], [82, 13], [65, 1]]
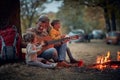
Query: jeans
[[40, 64], [61, 52], [48, 54]]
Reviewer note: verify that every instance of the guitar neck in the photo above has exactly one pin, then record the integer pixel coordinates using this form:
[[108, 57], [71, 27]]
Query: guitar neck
[[60, 40], [55, 41]]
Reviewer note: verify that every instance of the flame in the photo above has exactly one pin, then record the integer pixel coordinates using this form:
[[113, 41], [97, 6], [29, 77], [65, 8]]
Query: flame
[[118, 56], [107, 58], [102, 59]]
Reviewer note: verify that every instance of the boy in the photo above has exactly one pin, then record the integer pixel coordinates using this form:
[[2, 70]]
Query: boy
[[55, 33]]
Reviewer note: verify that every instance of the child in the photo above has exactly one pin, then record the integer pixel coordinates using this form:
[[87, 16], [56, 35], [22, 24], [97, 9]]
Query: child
[[32, 50], [55, 33]]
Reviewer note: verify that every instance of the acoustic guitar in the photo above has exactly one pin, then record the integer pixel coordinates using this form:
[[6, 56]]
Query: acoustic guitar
[[49, 43]]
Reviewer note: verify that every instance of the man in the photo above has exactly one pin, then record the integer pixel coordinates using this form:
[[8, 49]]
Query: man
[[56, 34], [48, 51]]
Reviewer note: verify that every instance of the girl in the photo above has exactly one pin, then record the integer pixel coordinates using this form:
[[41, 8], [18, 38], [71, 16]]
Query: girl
[[32, 50]]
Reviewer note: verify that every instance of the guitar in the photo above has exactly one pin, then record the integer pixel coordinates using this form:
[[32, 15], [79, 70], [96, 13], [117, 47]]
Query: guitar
[[49, 43], [61, 40]]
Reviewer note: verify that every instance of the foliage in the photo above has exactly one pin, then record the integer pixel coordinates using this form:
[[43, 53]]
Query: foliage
[[30, 10], [84, 14], [89, 14], [78, 15]]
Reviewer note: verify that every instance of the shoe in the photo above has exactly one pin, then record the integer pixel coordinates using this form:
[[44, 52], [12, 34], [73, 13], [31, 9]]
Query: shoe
[[75, 65], [53, 65], [80, 63], [63, 64], [74, 61]]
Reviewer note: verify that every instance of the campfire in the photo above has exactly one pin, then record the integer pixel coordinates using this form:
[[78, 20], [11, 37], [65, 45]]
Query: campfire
[[104, 62]]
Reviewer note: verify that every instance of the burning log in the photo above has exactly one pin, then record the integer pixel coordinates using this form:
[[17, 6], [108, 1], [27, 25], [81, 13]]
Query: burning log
[[103, 62], [110, 64]]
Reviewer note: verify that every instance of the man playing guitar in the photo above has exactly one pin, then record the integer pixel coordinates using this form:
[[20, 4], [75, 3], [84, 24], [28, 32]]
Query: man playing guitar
[[48, 51]]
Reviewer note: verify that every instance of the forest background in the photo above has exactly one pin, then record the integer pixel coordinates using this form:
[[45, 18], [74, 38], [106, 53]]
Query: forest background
[[78, 14]]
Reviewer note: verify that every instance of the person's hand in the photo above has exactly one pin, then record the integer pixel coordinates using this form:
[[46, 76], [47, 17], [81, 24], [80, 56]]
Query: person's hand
[[65, 40], [62, 36], [42, 43]]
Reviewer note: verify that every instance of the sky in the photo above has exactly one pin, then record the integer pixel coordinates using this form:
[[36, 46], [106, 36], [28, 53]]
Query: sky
[[53, 7]]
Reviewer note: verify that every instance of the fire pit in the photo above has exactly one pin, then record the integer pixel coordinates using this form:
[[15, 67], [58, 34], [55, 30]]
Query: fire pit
[[104, 62]]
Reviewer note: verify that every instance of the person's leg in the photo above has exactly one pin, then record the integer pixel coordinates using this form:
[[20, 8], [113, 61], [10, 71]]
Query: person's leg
[[72, 60], [40, 64], [61, 52], [69, 53], [62, 55], [50, 53]]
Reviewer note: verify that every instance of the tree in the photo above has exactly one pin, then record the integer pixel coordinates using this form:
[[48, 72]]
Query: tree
[[75, 8], [111, 11], [69, 15], [30, 9], [79, 15]]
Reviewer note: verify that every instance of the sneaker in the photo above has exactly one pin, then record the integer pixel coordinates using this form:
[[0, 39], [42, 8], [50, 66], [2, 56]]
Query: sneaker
[[63, 64], [54, 64]]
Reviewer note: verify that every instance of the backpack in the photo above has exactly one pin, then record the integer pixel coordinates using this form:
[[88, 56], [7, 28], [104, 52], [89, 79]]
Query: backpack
[[10, 44]]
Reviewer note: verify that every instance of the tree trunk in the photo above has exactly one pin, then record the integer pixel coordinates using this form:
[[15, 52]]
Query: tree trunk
[[107, 20], [10, 9], [113, 21]]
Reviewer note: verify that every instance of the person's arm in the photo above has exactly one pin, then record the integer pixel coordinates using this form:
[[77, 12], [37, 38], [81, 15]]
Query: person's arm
[[30, 49], [39, 46]]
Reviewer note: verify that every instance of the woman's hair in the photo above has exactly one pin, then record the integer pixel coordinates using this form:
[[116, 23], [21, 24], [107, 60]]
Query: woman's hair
[[28, 37], [54, 22]]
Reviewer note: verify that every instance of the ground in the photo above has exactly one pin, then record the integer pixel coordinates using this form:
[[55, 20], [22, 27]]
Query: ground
[[87, 52]]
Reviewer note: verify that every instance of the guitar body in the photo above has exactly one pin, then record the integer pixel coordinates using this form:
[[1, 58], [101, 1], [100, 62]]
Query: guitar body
[[39, 39]]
